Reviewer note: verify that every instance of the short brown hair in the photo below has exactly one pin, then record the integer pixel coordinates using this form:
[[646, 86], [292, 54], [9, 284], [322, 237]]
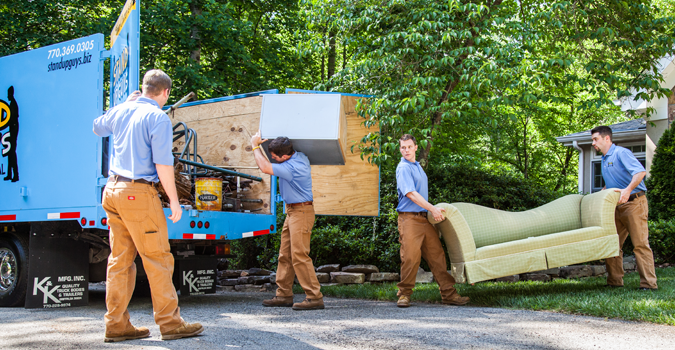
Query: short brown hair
[[407, 137], [603, 131], [155, 82], [281, 146]]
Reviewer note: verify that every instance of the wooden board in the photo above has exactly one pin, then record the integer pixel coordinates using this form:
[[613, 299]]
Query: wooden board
[[350, 189], [224, 131]]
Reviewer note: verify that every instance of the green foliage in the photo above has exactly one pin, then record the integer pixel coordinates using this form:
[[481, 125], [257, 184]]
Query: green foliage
[[362, 240], [661, 183], [586, 296], [662, 240]]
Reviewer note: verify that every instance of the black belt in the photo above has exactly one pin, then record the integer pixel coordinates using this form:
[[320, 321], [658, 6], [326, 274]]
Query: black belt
[[118, 178], [420, 213], [298, 204], [636, 195]]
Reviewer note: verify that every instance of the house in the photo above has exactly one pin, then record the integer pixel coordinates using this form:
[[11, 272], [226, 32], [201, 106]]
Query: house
[[631, 134], [640, 135]]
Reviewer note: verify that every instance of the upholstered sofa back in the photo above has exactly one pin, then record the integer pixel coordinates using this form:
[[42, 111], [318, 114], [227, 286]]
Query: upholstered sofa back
[[491, 226]]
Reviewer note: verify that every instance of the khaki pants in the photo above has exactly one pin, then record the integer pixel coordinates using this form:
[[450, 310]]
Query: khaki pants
[[137, 225], [294, 253], [419, 239], [631, 219]]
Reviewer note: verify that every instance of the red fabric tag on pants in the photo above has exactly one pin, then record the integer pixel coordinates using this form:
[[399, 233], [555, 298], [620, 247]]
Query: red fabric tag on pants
[[131, 198]]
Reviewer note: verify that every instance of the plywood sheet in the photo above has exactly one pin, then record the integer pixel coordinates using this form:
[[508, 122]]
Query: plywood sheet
[[224, 131], [353, 188]]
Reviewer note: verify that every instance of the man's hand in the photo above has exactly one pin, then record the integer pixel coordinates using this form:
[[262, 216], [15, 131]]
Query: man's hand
[[625, 193], [438, 213], [256, 140], [134, 95], [176, 211]]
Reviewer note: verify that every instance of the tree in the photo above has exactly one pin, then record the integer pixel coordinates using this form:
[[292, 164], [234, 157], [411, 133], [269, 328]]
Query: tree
[[661, 183], [441, 65]]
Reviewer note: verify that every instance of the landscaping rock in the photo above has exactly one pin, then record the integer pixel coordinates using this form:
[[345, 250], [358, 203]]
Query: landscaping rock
[[330, 284], [246, 280], [539, 277], [384, 277], [269, 287], [554, 272], [228, 282], [423, 276], [598, 269], [273, 278], [260, 279], [513, 278], [247, 288], [323, 277], [258, 272], [576, 271], [225, 288], [347, 277], [361, 269], [629, 263], [229, 273], [243, 273], [328, 268]]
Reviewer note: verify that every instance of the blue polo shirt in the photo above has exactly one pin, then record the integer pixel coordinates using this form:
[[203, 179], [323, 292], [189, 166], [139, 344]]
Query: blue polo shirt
[[618, 167], [295, 179], [410, 177], [142, 137]]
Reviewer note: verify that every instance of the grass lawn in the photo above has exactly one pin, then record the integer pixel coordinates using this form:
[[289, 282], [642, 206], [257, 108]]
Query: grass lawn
[[586, 296]]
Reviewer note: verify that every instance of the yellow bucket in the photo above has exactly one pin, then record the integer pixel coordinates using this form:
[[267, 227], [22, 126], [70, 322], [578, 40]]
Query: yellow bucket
[[209, 193]]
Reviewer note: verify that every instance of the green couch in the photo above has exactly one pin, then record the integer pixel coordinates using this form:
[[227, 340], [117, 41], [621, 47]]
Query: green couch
[[485, 243]]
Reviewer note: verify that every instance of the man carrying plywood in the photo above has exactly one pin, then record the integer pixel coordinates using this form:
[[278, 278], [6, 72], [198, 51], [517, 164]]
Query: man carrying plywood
[[417, 236], [295, 185]]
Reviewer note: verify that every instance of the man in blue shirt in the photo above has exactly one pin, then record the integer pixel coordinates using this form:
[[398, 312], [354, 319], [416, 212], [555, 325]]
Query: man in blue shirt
[[417, 236], [142, 139], [623, 172], [295, 184]]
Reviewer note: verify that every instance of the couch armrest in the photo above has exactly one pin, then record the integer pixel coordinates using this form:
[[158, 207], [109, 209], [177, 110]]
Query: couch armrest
[[456, 234], [597, 209]]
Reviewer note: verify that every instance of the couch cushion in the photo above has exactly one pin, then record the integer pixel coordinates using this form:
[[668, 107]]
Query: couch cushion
[[541, 242], [491, 226]]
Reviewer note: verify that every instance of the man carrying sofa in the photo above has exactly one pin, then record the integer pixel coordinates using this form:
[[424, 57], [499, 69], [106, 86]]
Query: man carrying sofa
[[417, 236], [620, 169]]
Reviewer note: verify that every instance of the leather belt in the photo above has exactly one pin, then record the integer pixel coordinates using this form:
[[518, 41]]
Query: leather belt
[[636, 195], [114, 178], [299, 204], [415, 213]]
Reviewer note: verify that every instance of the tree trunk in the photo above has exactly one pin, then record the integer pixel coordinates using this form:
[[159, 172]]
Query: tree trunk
[[196, 53], [332, 53], [568, 157]]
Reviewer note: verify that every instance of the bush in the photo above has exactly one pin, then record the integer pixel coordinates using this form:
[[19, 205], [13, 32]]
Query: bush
[[366, 240], [661, 183], [661, 240]]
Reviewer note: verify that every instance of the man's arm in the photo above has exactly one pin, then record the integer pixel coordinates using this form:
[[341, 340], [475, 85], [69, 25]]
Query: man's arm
[[165, 173], [625, 193], [419, 200], [260, 159]]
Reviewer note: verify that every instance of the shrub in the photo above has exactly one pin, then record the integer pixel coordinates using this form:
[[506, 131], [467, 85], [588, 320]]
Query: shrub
[[662, 240], [661, 183]]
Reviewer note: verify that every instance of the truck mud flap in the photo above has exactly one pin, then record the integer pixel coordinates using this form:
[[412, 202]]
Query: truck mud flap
[[196, 275], [58, 273]]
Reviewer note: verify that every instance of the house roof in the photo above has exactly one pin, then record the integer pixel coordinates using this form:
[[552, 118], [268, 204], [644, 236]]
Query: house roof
[[625, 131]]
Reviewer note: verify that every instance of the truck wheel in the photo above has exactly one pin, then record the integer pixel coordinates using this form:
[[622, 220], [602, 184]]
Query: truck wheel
[[13, 270]]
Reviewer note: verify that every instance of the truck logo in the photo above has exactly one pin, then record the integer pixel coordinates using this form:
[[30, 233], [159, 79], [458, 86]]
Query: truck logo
[[43, 286], [9, 119], [208, 197], [190, 280]]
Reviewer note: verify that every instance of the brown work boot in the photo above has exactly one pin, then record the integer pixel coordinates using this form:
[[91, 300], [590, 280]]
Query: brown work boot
[[403, 301], [132, 333], [309, 304], [185, 330], [456, 300], [279, 301]]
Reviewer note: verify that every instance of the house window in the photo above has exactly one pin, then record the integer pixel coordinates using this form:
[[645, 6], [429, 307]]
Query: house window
[[596, 173]]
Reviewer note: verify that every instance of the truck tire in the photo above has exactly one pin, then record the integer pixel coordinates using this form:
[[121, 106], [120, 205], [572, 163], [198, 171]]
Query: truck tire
[[13, 270]]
